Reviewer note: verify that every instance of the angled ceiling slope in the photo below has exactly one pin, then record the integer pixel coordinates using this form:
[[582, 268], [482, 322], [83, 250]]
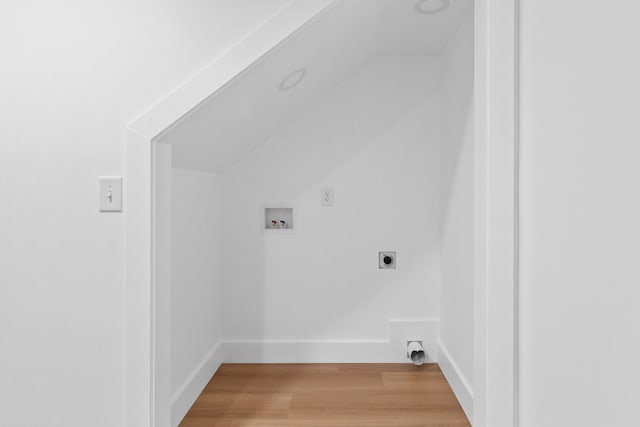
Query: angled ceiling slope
[[328, 40], [171, 110]]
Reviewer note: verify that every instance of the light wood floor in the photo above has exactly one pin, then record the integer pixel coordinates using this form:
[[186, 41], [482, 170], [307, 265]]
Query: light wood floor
[[327, 395]]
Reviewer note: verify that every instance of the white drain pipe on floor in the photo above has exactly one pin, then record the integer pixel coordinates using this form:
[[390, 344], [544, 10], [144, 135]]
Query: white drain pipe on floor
[[416, 352]]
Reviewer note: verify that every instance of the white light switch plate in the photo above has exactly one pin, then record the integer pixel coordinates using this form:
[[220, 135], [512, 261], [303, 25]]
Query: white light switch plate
[[326, 196], [110, 193]]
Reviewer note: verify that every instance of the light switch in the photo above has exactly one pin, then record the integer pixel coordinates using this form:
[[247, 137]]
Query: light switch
[[110, 193], [326, 196]]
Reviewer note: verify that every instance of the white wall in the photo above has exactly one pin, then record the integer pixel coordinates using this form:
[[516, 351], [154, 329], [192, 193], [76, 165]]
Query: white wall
[[375, 139], [580, 340], [73, 74], [457, 174], [196, 281]]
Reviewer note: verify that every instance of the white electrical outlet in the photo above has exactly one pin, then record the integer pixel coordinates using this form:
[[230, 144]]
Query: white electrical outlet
[[326, 196]]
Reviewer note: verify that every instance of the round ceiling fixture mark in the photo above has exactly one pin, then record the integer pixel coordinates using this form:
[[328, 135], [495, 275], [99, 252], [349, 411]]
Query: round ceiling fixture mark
[[429, 7], [292, 79]]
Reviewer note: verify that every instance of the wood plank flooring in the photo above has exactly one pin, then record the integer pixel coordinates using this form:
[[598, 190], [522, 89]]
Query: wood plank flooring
[[327, 395]]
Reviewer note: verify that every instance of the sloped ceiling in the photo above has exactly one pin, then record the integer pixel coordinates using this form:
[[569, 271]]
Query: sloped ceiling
[[250, 108]]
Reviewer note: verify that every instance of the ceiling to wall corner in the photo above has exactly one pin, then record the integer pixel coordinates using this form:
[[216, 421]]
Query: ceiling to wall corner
[[253, 106]]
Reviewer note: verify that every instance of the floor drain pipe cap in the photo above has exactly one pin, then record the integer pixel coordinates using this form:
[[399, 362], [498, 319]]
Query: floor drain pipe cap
[[416, 352]]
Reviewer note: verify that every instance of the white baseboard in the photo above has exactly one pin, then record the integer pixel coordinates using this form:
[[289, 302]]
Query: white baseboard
[[457, 380], [189, 391], [277, 351], [390, 350]]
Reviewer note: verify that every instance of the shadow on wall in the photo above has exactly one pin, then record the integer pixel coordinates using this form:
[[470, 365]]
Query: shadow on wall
[[350, 117], [378, 129], [457, 121], [457, 199]]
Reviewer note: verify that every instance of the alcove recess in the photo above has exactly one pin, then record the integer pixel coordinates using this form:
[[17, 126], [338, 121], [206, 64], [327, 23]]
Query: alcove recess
[[279, 219]]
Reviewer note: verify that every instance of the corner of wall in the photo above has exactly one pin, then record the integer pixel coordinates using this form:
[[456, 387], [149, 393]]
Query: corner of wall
[[189, 391], [456, 379]]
